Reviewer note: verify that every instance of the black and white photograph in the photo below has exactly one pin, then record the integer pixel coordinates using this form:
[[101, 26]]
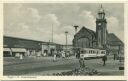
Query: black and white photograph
[[63, 39]]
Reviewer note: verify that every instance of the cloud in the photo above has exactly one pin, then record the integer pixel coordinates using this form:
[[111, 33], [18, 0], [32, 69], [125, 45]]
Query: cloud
[[32, 15], [113, 26], [60, 36], [87, 19], [20, 21], [49, 20], [35, 22]]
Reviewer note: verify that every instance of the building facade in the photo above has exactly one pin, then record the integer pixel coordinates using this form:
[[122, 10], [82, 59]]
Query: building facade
[[14, 46], [86, 38], [26, 47]]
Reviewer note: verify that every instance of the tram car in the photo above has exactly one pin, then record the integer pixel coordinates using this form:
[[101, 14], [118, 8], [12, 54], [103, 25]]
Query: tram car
[[88, 53]]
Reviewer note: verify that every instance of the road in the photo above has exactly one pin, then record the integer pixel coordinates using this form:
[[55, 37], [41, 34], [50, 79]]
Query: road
[[46, 66]]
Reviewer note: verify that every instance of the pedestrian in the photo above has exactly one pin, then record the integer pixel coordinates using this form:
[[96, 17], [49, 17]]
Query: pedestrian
[[67, 54], [44, 54], [78, 53], [55, 53], [114, 57], [81, 62], [21, 56], [104, 59], [63, 54]]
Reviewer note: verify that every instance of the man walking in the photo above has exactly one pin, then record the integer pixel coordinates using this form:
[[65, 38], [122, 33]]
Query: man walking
[[104, 59]]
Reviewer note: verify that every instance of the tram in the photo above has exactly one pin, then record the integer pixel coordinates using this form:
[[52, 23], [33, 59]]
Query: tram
[[89, 53]]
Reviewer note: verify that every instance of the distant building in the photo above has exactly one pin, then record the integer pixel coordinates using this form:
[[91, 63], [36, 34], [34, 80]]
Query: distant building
[[13, 46], [114, 44], [86, 38], [64, 47], [49, 47]]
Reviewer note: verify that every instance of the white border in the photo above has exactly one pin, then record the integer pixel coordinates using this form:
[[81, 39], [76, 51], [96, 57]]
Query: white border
[[65, 77]]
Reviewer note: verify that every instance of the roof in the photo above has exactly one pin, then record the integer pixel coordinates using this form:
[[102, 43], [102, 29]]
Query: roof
[[23, 39], [30, 40], [112, 39], [14, 42], [90, 31], [84, 29]]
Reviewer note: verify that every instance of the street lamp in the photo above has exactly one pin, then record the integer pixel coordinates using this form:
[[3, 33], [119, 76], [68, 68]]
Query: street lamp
[[66, 32], [75, 26]]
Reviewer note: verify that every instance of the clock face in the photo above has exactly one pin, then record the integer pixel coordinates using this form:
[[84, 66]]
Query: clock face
[[99, 23]]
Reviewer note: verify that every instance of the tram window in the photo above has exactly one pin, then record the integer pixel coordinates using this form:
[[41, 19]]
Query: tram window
[[102, 52], [82, 51], [97, 52], [85, 51], [93, 51], [89, 51]]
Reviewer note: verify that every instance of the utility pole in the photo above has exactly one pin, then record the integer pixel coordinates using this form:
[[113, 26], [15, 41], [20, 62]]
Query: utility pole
[[66, 32], [52, 33]]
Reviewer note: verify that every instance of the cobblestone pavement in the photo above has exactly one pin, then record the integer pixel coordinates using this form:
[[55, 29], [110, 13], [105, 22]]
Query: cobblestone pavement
[[46, 66]]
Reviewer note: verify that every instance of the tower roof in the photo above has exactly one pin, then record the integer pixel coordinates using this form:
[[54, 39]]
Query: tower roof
[[101, 10]]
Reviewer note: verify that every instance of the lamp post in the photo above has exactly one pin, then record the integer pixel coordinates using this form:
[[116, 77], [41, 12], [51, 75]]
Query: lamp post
[[75, 26], [66, 32]]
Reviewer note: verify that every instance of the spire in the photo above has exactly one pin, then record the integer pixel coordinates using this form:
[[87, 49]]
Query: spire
[[101, 10], [101, 13], [101, 5]]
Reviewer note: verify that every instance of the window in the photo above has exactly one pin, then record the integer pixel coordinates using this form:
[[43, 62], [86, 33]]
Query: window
[[102, 52], [93, 51], [85, 51], [82, 51], [89, 51], [97, 52]]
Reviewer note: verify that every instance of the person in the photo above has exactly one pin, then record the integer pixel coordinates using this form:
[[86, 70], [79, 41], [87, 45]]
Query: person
[[55, 53], [63, 54], [68, 54], [78, 53], [21, 56], [44, 54], [104, 59], [81, 62], [114, 57]]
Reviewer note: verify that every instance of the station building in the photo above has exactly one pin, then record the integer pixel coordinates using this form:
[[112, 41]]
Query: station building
[[86, 38], [13, 46], [26, 47]]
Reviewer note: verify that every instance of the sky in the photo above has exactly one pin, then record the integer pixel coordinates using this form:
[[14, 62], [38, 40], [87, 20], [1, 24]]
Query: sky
[[35, 20]]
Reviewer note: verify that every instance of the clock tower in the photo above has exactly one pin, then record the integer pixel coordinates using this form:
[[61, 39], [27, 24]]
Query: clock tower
[[101, 28]]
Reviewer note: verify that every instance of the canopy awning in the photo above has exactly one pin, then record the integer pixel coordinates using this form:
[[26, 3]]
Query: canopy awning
[[6, 49], [18, 49]]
